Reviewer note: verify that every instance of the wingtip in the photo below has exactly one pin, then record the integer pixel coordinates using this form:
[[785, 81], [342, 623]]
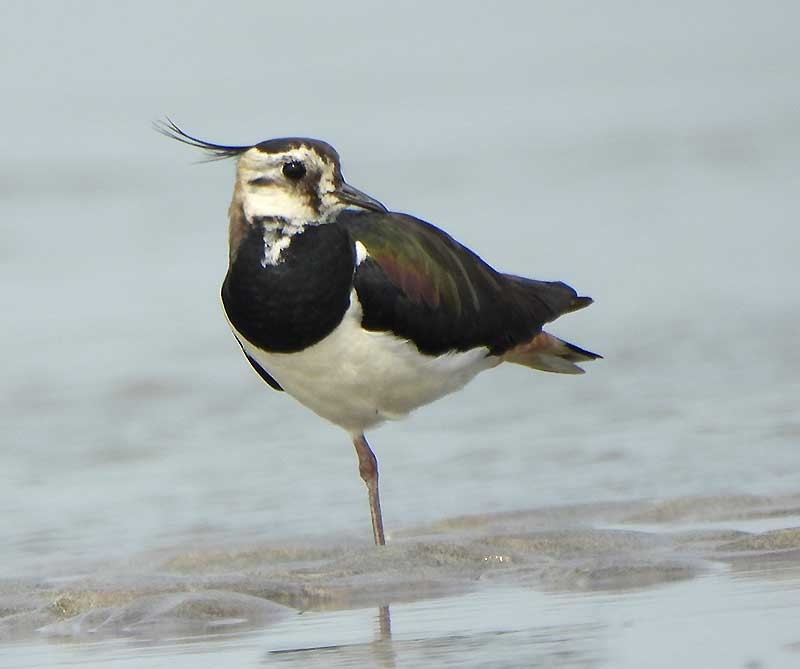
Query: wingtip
[[580, 302]]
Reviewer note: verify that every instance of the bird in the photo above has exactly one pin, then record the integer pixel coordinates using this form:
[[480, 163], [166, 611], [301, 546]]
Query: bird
[[360, 313]]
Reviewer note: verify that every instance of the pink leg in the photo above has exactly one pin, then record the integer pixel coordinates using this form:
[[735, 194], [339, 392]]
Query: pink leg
[[368, 468]]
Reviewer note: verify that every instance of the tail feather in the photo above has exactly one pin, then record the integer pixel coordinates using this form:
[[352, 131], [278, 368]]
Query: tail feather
[[550, 354]]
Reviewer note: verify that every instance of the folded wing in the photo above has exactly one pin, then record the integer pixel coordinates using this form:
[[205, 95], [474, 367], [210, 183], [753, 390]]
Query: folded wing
[[420, 284]]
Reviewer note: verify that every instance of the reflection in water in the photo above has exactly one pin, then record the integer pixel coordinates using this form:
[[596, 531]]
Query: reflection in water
[[380, 652], [383, 649], [384, 623]]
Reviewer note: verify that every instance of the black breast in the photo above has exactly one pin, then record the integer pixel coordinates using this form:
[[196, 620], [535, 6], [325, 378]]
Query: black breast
[[290, 306]]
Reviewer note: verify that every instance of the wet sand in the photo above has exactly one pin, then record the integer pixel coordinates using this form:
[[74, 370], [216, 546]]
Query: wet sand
[[579, 585]]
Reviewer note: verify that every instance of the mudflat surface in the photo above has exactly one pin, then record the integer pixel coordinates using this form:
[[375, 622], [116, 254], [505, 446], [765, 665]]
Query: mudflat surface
[[584, 585]]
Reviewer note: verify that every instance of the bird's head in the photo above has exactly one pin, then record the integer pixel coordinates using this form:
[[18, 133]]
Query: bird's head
[[295, 179]]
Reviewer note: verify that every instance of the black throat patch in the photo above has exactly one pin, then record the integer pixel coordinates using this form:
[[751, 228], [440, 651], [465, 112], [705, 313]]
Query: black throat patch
[[290, 306]]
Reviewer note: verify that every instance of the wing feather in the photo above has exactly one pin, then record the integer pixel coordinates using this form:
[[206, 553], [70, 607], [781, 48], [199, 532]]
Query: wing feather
[[420, 284]]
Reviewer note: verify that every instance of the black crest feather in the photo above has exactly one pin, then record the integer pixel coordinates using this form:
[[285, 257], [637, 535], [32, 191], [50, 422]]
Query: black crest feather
[[170, 129]]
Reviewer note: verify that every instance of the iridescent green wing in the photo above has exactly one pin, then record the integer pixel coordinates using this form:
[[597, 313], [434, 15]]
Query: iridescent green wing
[[420, 284]]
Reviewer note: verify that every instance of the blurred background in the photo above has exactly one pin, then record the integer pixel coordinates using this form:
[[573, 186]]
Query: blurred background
[[646, 153]]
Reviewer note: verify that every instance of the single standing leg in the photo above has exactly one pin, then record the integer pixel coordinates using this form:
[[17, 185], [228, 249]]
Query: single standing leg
[[368, 468]]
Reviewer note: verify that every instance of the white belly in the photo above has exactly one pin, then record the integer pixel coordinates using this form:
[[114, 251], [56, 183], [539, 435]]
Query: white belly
[[357, 379]]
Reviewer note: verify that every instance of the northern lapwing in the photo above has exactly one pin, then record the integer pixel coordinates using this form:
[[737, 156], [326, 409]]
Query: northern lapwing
[[359, 313]]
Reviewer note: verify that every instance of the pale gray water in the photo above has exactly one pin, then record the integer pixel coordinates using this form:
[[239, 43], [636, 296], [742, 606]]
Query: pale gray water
[[648, 156]]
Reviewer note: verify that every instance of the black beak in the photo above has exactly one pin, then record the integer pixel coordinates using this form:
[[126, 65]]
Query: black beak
[[355, 197]]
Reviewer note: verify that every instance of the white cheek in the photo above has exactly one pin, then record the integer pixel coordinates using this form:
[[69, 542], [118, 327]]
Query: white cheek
[[266, 201]]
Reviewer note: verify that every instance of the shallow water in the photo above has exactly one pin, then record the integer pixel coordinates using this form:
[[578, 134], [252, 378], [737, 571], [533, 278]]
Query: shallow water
[[573, 586], [160, 505]]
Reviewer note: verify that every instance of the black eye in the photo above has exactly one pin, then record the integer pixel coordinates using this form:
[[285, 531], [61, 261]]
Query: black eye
[[294, 170]]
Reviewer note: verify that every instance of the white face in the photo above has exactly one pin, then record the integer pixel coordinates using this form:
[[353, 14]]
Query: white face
[[297, 185]]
